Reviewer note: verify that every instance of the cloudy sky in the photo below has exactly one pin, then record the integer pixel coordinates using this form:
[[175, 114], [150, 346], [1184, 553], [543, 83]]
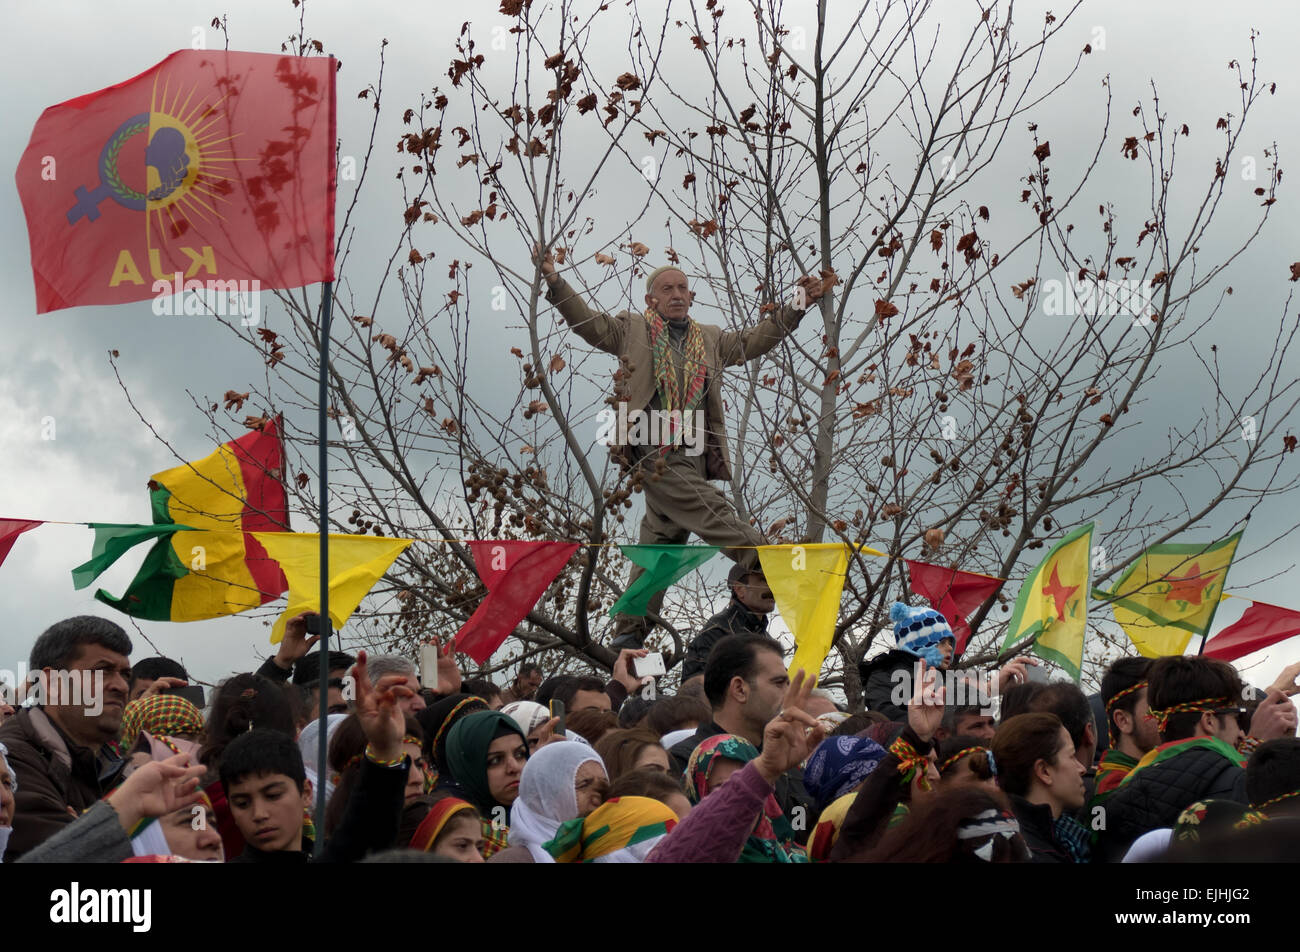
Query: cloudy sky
[[55, 367]]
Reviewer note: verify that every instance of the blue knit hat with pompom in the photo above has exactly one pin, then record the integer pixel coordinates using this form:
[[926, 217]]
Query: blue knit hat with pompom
[[918, 631]]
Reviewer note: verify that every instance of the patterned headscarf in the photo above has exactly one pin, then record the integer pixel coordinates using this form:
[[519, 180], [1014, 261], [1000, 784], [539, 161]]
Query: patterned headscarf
[[827, 830], [765, 843], [437, 721], [431, 827], [622, 830], [838, 765], [163, 715]]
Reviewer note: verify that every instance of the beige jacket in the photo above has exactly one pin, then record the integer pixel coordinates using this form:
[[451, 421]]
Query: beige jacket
[[627, 335]]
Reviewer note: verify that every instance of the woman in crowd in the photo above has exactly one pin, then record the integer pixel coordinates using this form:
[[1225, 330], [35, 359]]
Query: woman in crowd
[[959, 824], [966, 761], [624, 751], [656, 784], [562, 781], [451, 827], [437, 721], [486, 752], [1036, 768], [712, 765], [832, 775]]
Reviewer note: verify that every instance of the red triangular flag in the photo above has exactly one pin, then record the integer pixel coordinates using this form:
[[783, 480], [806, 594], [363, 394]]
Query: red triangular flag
[[515, 573], [10, 530], [1262, 625], [952, 593]]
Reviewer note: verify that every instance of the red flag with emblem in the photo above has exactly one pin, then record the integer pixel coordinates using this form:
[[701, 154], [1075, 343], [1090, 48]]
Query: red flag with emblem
[[211, 172]]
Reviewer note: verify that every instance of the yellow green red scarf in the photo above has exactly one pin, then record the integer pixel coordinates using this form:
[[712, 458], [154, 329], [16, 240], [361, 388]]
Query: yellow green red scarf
[[694, 367], [616, 825]]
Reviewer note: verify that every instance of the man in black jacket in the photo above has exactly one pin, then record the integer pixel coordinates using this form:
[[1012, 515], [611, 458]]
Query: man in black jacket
[[59, 750], [1196, 702], [746, 614], [745, 682]]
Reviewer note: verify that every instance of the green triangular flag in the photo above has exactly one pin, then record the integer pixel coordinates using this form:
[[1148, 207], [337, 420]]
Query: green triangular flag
[[112, 541], [664, 565]]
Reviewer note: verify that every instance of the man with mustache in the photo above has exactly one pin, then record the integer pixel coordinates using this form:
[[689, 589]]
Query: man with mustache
[[746, 614], [671, 369], [60, 749]]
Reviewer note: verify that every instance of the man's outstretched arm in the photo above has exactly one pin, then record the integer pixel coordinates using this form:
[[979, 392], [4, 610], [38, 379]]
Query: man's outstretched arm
[[737, 347], [598, 329]]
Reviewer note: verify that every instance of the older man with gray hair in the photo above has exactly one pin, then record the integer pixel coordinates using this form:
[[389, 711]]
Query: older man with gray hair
[[378, 666], [673, 378]]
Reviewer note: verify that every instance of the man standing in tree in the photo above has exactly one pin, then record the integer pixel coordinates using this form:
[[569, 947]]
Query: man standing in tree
[[673, 371]]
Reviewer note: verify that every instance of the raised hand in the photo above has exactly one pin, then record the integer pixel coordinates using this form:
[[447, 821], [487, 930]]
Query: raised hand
[[925, 710], [449, 676], [1015, 672], [163, 684], [623, 668], [295, 644], [792, 735], [547, 262], [156, 789], [813, 288], [1286, 681], [1275, 717], [378, 710]]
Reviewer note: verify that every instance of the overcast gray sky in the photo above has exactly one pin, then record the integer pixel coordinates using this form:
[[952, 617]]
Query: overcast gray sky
[[56, 365]]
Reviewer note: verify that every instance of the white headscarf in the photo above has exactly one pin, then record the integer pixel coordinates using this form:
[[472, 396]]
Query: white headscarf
[[529, 715], [5, 831], [309, 744], [546, 795]]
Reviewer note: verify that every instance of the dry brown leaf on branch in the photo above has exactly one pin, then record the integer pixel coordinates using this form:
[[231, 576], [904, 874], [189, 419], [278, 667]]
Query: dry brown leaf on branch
[[557, 364], [602, 258], [885, 309], [472, 218], [936, 240], [415, 257], [1043, 151], [638, 249], [427, 372], [672, 256], [934, 538], [302, 479], [364, 321], [627, 82], [777, 526], [1019, 289], [963, 375], [891, 510], [517, 352], [256, 422], [538, 406], [1295, 271], [587, 103], [235, 401]]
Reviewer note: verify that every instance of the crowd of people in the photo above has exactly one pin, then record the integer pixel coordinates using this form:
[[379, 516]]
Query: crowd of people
[[1174, 759]]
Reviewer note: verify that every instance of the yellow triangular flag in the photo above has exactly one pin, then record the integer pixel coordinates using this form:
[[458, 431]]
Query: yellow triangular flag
[[807, 581], [357, 562]]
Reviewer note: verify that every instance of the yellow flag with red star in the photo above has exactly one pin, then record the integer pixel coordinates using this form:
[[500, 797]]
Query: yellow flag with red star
[[1171, 592], [1053, 603]]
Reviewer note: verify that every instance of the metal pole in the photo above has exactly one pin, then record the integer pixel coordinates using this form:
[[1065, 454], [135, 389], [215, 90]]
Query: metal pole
[[322, 436]]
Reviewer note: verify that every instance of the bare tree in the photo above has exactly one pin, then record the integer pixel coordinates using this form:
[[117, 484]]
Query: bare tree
[[966, 395]]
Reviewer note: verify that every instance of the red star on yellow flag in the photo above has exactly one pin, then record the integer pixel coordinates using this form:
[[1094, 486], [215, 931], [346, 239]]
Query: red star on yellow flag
[[1059, 593], [1190, 587]]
